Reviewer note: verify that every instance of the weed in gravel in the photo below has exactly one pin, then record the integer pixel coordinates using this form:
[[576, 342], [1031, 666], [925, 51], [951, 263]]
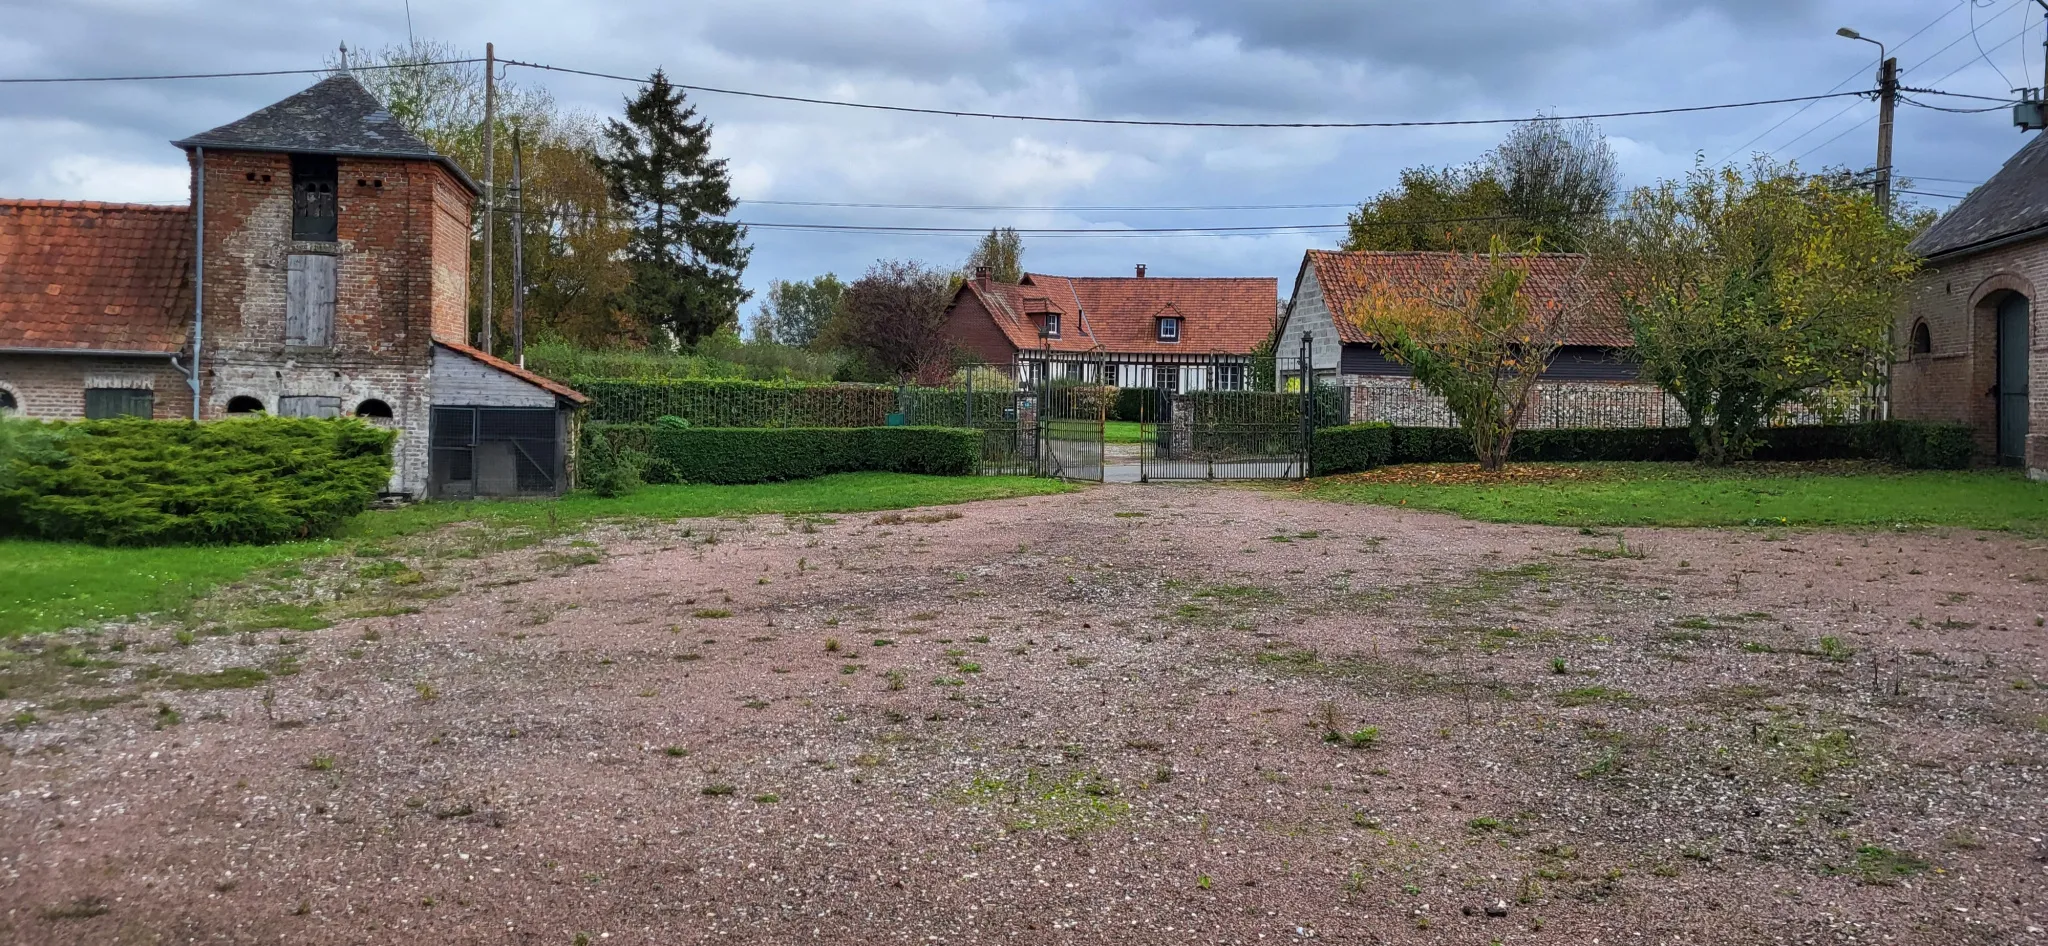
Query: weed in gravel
[[321, 763], [847, 670], [83, 908], [675, 752], [767, 798], [426, 691], [1620, 550], [1880, 866], [183, 637], [563, 561], [1587, 696], [1073, 802], [167, 717], [1484, 825], [232, 678], [711, 614], [831, 645], [1487, 586], [1363, 738], [896, 679], [1833, 649], [1557, 666], [717, 791]]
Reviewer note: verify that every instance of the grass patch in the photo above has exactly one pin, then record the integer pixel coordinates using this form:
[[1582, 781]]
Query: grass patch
[[1073, 803], [1587, 696], [1673, 494], [50, 586], [233, 678]]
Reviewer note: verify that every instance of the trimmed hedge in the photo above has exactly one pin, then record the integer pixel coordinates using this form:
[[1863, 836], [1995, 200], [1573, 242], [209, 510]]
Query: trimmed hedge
[[1910, 444], [678, 454], [140, 482], [1352, 449]]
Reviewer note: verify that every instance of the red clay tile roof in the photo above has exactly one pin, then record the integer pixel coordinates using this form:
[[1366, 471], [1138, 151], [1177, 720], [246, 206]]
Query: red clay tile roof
[[85, 276], [1120, 314], [1347, 277], [547, 384]]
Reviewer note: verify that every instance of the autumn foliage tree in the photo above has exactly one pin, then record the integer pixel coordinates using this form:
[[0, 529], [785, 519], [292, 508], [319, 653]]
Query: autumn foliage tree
[[1475, 334], [1749, 292]]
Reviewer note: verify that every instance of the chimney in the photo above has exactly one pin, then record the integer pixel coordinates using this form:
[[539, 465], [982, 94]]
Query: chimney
[[1141, 270], [981, 276]]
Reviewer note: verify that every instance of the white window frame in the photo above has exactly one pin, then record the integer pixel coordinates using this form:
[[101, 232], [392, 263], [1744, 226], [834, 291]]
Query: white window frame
[[1172, 337]]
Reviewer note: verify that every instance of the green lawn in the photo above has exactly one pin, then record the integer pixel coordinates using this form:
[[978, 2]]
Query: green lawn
[[1122, 431], [1651, 494], [47, 586]]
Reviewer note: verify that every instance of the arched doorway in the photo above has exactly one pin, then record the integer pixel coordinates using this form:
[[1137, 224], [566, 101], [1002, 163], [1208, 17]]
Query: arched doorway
[[2013, 314]]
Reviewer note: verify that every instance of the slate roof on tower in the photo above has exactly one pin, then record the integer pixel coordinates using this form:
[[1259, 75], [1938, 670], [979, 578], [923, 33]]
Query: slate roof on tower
[[2013, 203], [335, 116]]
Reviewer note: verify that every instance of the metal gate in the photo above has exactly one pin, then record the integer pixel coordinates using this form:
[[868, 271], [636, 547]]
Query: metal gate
[[495, 451], [1224, 435], [1070, 425]]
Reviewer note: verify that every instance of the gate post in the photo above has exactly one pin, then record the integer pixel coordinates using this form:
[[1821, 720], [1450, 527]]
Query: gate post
[[1308, 405]]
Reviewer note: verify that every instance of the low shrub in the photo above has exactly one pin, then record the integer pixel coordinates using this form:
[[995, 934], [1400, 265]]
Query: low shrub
[[1912, 444], [1352, 448], [677, 454], [249, 480]]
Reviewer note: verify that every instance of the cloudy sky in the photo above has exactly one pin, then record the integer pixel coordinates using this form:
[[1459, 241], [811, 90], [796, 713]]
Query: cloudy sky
[[1201, 60]]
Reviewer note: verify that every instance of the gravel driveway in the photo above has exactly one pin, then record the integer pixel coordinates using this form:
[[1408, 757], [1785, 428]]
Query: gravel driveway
[[1133, 714]]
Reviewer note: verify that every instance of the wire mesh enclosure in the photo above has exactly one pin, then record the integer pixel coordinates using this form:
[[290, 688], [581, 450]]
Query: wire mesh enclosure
[[495, 451]]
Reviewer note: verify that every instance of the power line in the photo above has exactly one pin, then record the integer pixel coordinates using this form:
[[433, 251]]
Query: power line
[[1851, 78], [1059, 209], [1068, 119], [1909, 100], [1924, 61], [230, 75], [1980, 42], [2009, 41], [1932, 194]]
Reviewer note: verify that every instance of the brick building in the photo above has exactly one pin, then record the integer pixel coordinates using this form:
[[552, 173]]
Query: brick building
[[1973, 346], [1132, 332], [1591, 380], [322, 269]]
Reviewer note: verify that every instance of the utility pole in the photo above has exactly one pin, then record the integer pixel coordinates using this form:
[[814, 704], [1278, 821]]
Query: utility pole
[[1888, 98], [518, 255], [483, 334]]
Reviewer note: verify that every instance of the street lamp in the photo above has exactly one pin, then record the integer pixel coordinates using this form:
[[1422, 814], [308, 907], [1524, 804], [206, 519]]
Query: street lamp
[[1847, 33], [1887, 98]]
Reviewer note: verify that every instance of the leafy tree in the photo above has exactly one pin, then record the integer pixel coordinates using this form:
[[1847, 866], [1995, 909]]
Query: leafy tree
[[1002, 251], [1751, 292], [796, 313], [685, 259], [1475, 336], [1449, 209], [1550, 180], [1556, 180], [575, 267], [893, 320]]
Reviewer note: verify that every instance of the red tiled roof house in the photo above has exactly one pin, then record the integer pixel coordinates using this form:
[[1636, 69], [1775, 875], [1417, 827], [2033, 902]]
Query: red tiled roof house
[[321, 269], [1139, 331]]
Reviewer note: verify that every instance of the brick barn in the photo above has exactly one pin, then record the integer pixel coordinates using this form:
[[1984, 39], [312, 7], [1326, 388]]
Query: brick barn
[[321, 269], [1591, 380], [1131, 332], [1973, 344]]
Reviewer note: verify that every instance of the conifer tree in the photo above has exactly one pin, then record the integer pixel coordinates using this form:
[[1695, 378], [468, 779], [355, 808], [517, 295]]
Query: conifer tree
[[686, 257]]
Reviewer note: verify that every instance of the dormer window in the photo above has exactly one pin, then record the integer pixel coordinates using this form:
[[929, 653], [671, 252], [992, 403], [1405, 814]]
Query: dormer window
[[313, 207], [1052, 325], [1169, 329]]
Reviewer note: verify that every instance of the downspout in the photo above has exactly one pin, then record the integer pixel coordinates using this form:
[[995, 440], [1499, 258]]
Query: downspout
[[198, 280]]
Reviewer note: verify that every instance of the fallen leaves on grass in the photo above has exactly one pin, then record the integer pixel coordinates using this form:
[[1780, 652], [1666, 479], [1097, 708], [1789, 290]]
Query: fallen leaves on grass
[[1465, 474]]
